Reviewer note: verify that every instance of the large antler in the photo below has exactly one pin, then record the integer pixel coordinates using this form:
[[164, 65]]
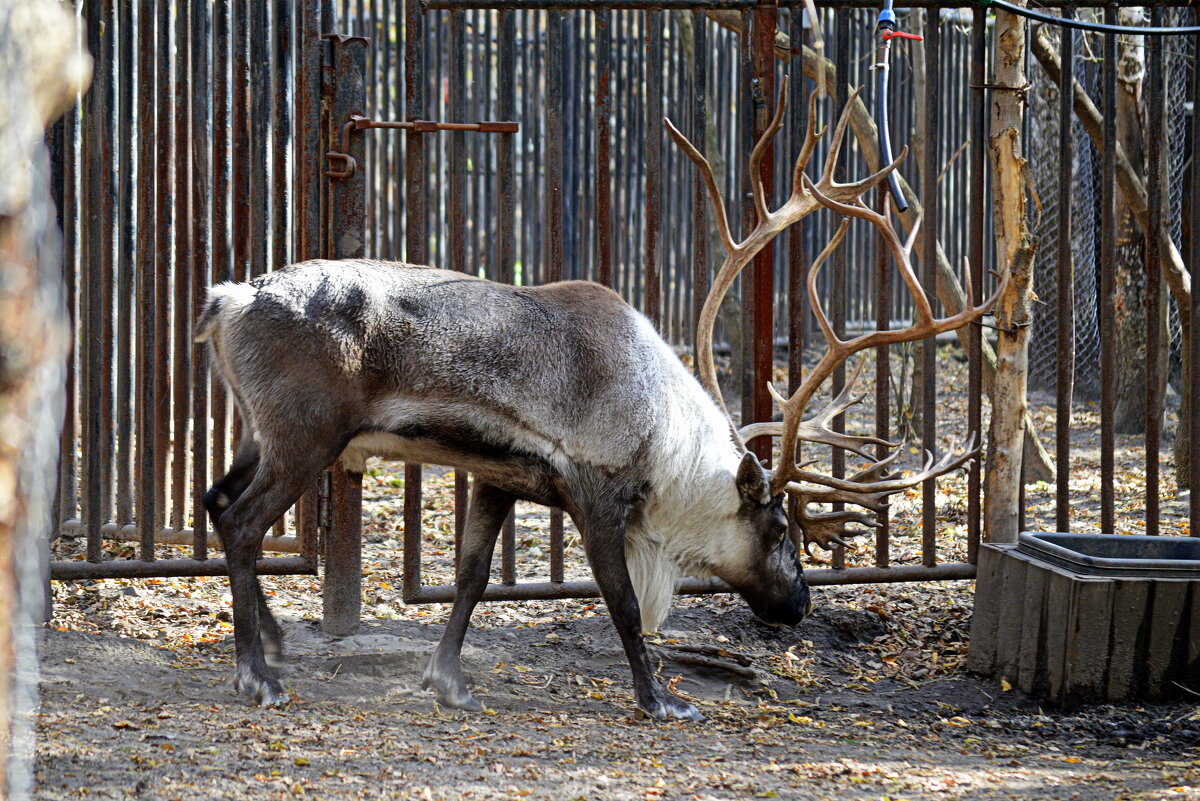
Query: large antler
[[801, 203], [870, 487]]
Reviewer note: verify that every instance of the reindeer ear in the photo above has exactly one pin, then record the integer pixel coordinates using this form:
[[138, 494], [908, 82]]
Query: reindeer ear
[[751, 481]]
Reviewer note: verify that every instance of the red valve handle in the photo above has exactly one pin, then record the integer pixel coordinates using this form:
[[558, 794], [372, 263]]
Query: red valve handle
[[888, 35]]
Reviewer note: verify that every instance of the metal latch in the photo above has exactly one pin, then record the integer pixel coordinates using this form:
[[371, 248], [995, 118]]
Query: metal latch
[[358, 123]]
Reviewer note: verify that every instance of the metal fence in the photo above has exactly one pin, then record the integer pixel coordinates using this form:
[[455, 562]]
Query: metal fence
[[171, 176], [213, 168]]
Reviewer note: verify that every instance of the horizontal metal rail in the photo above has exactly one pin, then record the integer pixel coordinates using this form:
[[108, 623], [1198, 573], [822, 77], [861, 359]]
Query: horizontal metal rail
[[61, 570], [172, 536], [559, 590]]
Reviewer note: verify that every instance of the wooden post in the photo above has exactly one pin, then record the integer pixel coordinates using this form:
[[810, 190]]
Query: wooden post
[[43, 71], [1016, 247]]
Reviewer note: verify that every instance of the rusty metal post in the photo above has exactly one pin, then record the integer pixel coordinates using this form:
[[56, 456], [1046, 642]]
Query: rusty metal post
[[652, 33], [603, 146], [201, 261], [342, 590], [978, 223], [838, 264], [762, 271], [414, 209], [929, 230], [699, 200], [553, 262], [1065, 308], [1156, 152], [1108, 253], [506, 225]]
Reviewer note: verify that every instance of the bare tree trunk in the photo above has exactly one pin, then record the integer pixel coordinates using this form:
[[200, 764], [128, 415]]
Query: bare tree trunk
[[41, 72], [1014, 308]]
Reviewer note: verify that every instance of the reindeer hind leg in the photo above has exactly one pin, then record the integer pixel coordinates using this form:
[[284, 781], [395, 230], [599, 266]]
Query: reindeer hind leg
[[485, 516]]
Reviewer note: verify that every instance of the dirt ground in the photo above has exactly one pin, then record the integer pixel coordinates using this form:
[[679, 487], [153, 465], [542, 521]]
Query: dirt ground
[[867, 699], [828, 710]]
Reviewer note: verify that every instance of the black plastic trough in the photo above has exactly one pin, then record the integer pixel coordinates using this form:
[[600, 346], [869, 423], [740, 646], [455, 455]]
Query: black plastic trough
[[1117, 554]]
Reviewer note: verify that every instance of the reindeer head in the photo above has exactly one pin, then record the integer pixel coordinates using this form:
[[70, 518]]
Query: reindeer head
[[868, 489]]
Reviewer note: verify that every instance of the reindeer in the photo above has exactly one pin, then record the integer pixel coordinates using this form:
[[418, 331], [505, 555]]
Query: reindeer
[[561, 395]]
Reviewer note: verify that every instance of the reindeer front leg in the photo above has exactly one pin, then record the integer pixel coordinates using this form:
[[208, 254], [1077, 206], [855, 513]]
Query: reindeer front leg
[[603, 533]]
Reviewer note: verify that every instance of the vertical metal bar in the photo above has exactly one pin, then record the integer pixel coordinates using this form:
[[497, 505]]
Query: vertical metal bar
[[797, 264], [978, 228], [762, 271], [414, 176], [743, 138], [1194, 354], [68, 489], [1108, 252], [929, 199], [700, 49], [200, 268], [342, 590], [91, 289], [506, 223], [1065, 308], [222, 266], [182, 278], [147, 180], [308, 145], [56, 146], [125, 257], [1156, 157], [883, 373], [458, 217], [837, 277], [554, 213], [280, 54], [107, 80], [653, 34], [604, 147], [281, 34], [260, 110], [162, 278], [241, 154]]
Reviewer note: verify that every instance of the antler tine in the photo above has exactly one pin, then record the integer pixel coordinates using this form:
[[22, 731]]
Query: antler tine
[[839, 136], [924, 312], [814, 300], [714, 193], [948, 463], [760, 147], [811, 137], [912, 232]]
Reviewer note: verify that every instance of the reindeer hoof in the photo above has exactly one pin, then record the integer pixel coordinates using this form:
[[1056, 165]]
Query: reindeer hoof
[[450, 691], [670, 707], [266, 691]]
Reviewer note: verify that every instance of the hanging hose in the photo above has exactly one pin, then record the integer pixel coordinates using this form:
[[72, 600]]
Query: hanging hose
[[1094, 27], [887, 32]]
